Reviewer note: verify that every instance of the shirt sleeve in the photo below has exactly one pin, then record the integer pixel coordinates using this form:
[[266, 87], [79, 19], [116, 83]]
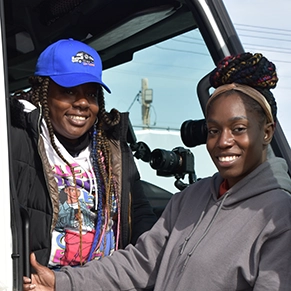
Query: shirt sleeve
[[275, 264]]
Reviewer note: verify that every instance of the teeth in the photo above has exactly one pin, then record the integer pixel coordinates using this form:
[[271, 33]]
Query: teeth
[[227, 159], [77, 117]]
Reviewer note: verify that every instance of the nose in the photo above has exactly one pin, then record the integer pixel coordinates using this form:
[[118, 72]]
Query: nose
[[225, 139], [81, 101]]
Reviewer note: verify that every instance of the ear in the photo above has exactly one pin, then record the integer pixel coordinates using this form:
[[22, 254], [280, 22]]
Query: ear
[[268, 133]]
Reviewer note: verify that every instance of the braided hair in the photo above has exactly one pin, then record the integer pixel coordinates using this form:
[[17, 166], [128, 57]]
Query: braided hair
[[100, 151], [249, 69]]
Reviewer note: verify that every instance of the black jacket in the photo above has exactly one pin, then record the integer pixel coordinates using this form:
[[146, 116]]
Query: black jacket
[[34, 188]]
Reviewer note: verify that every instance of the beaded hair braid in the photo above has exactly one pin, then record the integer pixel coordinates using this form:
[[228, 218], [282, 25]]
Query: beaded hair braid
[[249, 69], [100, 153], [101, 156]]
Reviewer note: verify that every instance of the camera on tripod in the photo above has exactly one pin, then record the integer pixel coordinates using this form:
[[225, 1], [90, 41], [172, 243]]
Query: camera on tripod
[[170, 163], [179, 161]]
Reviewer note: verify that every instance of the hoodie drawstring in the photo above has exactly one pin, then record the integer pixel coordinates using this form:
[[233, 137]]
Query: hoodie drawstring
[[191, 233], [205, 232]]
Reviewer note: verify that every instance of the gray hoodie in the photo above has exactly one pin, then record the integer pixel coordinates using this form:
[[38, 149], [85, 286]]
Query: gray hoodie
[[240, 241]]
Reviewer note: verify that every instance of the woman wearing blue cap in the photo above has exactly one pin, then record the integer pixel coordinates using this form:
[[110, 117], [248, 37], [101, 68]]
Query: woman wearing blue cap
[[73, 171]]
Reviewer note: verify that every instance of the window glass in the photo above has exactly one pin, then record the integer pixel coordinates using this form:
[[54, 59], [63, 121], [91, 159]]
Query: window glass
[[170, 71]]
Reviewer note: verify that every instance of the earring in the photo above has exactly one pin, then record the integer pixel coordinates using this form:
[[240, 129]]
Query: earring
[[96, 121]]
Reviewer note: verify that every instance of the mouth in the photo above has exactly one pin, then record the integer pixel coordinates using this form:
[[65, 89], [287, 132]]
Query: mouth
[[77, 117], [228, 158], [77, 120]]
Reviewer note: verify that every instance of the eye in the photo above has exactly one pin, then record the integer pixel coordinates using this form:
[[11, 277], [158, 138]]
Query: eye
[[69, 91], [93, 95], [239, 129], [212, 131]]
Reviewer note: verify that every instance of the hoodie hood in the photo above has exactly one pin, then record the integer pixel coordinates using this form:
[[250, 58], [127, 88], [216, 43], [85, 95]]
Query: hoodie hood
[[270, 175]]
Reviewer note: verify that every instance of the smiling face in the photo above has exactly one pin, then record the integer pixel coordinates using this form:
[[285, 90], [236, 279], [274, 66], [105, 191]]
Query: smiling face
[[73, 111], [72, 194], [237, 138]]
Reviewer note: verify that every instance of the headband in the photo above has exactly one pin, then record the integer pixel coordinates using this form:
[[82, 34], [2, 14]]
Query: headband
[[251, 92]]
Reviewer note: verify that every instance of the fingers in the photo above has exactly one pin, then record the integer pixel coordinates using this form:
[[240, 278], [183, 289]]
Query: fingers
[[27, 284], [26, 280], [34, 263], [33, 260], [43, 279], [30, 287]]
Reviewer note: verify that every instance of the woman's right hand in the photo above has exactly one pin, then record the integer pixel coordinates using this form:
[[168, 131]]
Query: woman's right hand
[[42, 280]]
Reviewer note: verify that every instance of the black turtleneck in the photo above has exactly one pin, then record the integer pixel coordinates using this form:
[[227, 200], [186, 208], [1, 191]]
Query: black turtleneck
[[74, 148]]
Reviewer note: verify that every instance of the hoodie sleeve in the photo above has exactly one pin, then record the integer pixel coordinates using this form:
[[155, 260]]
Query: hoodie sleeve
[[275, 264], [134, 268]]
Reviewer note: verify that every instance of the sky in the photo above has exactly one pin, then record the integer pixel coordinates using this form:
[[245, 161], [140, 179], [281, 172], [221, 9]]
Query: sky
[[174, 67], [265, 27]]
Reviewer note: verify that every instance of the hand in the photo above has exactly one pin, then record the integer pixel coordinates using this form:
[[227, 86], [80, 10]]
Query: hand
[[43, 280]]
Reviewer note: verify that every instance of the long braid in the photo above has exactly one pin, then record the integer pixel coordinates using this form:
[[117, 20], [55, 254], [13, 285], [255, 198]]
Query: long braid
[[249, 69], [102, 164], [40, 87], [110, 120], [100, 188]]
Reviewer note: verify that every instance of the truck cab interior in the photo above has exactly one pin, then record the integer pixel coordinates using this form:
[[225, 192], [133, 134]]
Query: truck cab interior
[[117, 29]]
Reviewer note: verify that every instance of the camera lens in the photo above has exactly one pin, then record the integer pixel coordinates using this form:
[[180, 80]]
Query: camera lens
[[194, 132], [164, 160]]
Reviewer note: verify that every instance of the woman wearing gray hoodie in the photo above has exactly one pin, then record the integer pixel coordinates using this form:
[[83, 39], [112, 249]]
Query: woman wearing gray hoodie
[[231, 231]]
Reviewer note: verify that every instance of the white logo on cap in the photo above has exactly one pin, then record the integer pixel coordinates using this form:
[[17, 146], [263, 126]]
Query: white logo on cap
[[82, 57]]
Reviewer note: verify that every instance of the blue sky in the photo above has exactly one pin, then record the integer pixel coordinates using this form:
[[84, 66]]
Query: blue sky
[[172, 68]]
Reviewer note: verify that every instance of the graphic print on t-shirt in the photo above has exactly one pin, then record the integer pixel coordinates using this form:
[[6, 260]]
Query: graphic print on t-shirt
[[66, 235]]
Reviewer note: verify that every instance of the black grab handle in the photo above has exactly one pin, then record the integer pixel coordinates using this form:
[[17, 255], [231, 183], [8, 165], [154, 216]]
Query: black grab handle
[[26, 244]]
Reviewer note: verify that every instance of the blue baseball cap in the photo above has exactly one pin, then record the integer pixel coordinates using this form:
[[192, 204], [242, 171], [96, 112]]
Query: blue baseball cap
[[70, 63]]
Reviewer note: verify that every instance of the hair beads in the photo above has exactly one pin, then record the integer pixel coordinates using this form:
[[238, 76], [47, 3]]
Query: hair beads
[[249, 69]]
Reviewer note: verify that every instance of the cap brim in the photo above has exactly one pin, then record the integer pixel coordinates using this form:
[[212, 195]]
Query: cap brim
[[71, 80]]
